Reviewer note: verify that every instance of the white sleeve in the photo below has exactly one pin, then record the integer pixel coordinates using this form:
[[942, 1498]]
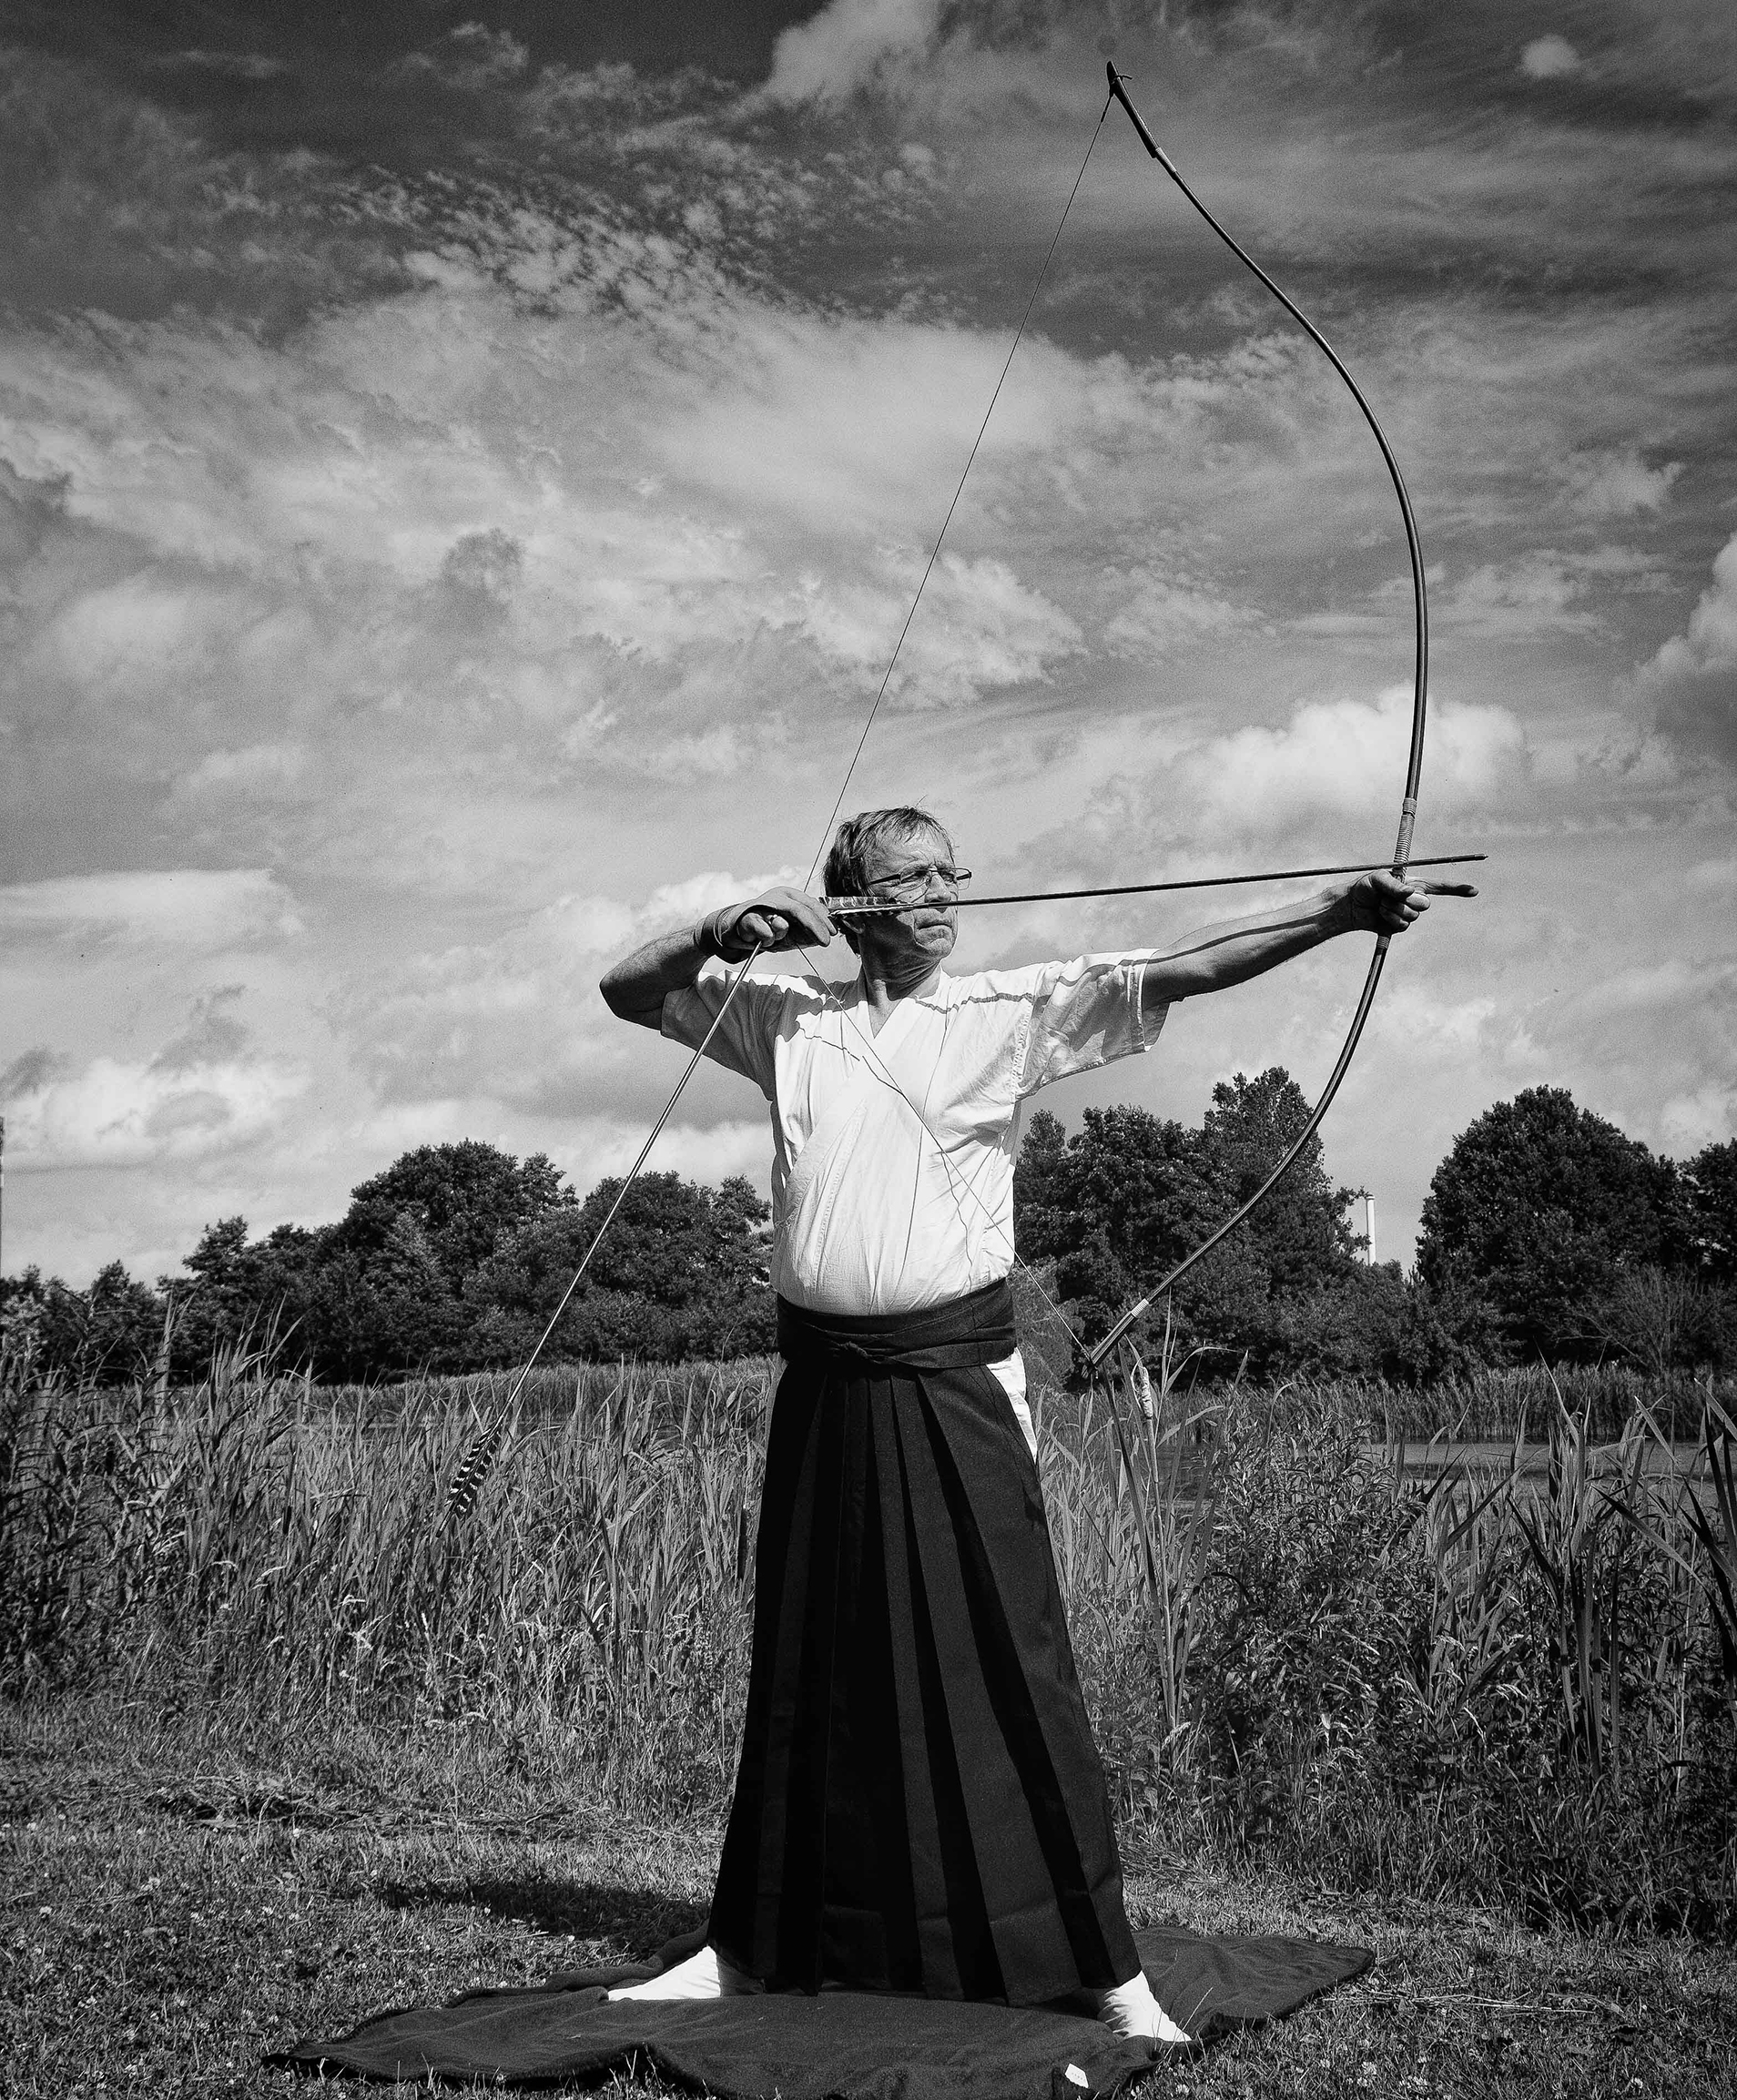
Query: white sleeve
[[1083, 1014], [748, 1030]]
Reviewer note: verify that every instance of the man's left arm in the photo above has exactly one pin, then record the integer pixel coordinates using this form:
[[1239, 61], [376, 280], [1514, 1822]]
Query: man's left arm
[[1218, 956]]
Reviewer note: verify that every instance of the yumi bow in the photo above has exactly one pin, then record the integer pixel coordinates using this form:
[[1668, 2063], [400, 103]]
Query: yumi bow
[[1095, 1355]]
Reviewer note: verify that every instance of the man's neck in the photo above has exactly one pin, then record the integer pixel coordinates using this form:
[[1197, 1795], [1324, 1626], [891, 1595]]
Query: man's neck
[[880, 994]]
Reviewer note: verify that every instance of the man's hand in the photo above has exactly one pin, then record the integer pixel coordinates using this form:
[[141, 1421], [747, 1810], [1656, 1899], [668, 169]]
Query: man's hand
[[636, 988], [778, 921], [1382, 903]]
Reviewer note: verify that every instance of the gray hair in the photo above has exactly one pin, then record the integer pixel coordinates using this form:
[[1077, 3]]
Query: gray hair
[[846, 864]]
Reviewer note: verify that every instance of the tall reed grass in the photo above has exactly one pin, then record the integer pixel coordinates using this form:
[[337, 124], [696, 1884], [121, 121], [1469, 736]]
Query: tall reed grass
[[1519, 1679], [1498, 1404], [254, 1539], [1516, 1674]]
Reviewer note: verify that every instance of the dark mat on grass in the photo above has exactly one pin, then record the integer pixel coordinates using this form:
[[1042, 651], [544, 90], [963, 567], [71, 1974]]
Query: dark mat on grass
[[841, 2045]]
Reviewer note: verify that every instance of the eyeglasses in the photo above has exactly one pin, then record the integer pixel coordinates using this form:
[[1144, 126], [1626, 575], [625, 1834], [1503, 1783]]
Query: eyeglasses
[[912, 885]]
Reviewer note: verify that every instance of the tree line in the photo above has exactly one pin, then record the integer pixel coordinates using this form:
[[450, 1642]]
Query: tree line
[[453, 1259], [1548, 1234]]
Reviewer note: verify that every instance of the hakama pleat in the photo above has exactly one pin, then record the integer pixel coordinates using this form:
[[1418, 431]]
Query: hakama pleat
[[920, 1805]]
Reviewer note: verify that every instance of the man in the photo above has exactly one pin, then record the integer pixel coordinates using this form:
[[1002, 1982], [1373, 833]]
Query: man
[[919, 1804]]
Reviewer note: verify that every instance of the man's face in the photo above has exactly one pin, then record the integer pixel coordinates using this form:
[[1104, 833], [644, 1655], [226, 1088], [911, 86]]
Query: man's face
[[924, 932]]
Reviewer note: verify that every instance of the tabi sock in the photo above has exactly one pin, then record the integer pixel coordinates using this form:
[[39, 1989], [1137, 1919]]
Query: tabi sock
[[703, 1976], [1131, 2010]]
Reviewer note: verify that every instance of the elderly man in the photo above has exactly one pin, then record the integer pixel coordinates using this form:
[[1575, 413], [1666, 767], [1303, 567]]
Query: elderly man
[[919, 1804]]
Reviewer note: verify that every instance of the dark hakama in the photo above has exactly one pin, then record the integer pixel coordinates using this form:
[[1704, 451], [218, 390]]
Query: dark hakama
[[920, 1805]]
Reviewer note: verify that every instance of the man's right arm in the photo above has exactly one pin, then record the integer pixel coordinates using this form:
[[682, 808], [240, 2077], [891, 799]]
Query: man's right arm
[[635, 989]]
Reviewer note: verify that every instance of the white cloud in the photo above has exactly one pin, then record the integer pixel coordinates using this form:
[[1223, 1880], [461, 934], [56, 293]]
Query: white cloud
[[708, 1153], [978, 627], [1618, 483], [720, 753], [257, 770], [1344, 760], [1706, 1116], [1413, 1013], [1691, 682], [115, 642], [227, 65], [1166, 614], [203, 1094], [471, 56], [1538, 591], [197, 909], [848, 45], [1652, 987], [517, 1017], [1549, 59]]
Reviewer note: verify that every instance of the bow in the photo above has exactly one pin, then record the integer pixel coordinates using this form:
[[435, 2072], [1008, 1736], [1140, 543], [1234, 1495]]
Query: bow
[[1414, 760]]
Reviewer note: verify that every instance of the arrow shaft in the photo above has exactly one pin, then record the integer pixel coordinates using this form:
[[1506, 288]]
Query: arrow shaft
[[870, 907]]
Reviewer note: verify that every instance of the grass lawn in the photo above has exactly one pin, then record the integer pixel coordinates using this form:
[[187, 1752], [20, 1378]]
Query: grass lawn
[[178, 1899]]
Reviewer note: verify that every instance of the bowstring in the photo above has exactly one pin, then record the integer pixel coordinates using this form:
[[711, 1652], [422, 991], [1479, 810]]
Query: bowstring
[[490, 1434], [934, 552]]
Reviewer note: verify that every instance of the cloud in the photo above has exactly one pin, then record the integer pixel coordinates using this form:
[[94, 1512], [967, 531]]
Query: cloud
[[482, 569], [257, 772], [226, 65], [723, 752], [1549, 59], [518, 1018], [1543, 590], [1618, 483], [848, 46], [1538, 592], [1429, 1023], [118, 206], [199, 910], [1344, 760], [1163, 615], [1691, 686], [980, 628], [471, 57], [1650, 987], [1706, 1116], [205, 1093], [602, 1146]]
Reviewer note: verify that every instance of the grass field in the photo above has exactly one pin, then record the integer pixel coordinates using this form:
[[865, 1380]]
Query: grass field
[[317, 1704], [174, 1905]]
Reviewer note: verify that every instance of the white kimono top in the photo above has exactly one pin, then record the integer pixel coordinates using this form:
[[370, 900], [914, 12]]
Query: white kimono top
[[892, 1154]]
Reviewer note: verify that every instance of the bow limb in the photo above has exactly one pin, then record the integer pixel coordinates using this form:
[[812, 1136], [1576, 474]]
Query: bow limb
[[1414, 760]]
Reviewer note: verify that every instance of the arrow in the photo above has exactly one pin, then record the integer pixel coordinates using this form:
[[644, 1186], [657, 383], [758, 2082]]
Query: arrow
[[869, 907]]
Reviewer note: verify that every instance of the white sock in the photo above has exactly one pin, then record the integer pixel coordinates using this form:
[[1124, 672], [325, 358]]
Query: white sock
[[1131, 2010], [703, 1976]]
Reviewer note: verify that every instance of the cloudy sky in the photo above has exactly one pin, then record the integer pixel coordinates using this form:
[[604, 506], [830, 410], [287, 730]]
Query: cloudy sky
[[463, 468]]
